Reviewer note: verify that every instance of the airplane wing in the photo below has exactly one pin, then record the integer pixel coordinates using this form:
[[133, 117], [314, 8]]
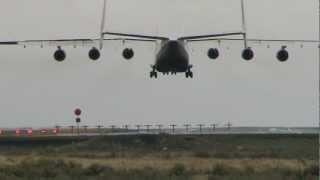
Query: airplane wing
[[68, 42], [248, 53], [220, 38], [201, 37], [137, 36], [255, 41], [94, 53]]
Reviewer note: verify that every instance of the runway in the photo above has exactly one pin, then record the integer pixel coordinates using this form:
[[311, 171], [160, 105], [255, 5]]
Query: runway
[[178, 131]]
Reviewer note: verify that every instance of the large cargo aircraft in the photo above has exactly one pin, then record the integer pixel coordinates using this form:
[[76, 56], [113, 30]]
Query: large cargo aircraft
[[172, 56]]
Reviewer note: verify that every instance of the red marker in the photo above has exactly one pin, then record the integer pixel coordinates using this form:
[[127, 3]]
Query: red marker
[[43, 131], [77, 112], [29, 131], [17, 131]]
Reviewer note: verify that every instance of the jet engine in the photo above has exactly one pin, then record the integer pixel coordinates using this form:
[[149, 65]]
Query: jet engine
[[60, 55], [128, 53], [94, 54], [213, 53], [283, 54], [247, 54]]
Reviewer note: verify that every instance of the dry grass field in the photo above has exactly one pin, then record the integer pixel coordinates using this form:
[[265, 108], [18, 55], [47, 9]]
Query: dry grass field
[[209, 157]]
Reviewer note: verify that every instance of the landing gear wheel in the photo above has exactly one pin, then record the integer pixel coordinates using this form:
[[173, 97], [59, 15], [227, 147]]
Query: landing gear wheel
[[153, 74], [189, 74]]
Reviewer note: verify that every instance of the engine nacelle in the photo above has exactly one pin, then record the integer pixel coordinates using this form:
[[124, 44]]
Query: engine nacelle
[[283, 54], [59, 55], [128, 53], [94, 54], [213, 53], [247, 54]]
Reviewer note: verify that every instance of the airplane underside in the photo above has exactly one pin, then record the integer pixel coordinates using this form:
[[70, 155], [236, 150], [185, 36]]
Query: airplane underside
[[172, 59]]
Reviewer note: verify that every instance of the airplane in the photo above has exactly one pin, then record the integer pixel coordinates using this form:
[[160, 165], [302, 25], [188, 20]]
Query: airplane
[[172, 55]]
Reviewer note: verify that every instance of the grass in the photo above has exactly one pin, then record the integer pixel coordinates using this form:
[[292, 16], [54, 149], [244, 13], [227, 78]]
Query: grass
[[194, 157], [219, 146], [59, 169]]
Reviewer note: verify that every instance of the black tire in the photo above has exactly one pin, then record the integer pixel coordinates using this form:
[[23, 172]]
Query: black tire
[[191, 74]]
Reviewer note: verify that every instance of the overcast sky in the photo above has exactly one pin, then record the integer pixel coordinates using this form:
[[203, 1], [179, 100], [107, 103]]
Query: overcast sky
[[37, 91]]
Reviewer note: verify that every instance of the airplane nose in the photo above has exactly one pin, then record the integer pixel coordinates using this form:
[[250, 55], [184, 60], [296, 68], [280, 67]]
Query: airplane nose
[[173, 44], [173, 48]]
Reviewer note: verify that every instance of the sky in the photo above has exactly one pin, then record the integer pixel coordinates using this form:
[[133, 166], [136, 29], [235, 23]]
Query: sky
[[36, 91]]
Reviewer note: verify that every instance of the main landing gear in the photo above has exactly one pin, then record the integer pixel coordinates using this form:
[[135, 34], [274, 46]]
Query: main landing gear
[[189, 73], [153, 73]]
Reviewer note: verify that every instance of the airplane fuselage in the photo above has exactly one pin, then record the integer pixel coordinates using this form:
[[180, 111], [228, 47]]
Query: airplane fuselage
[[172, 57]]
